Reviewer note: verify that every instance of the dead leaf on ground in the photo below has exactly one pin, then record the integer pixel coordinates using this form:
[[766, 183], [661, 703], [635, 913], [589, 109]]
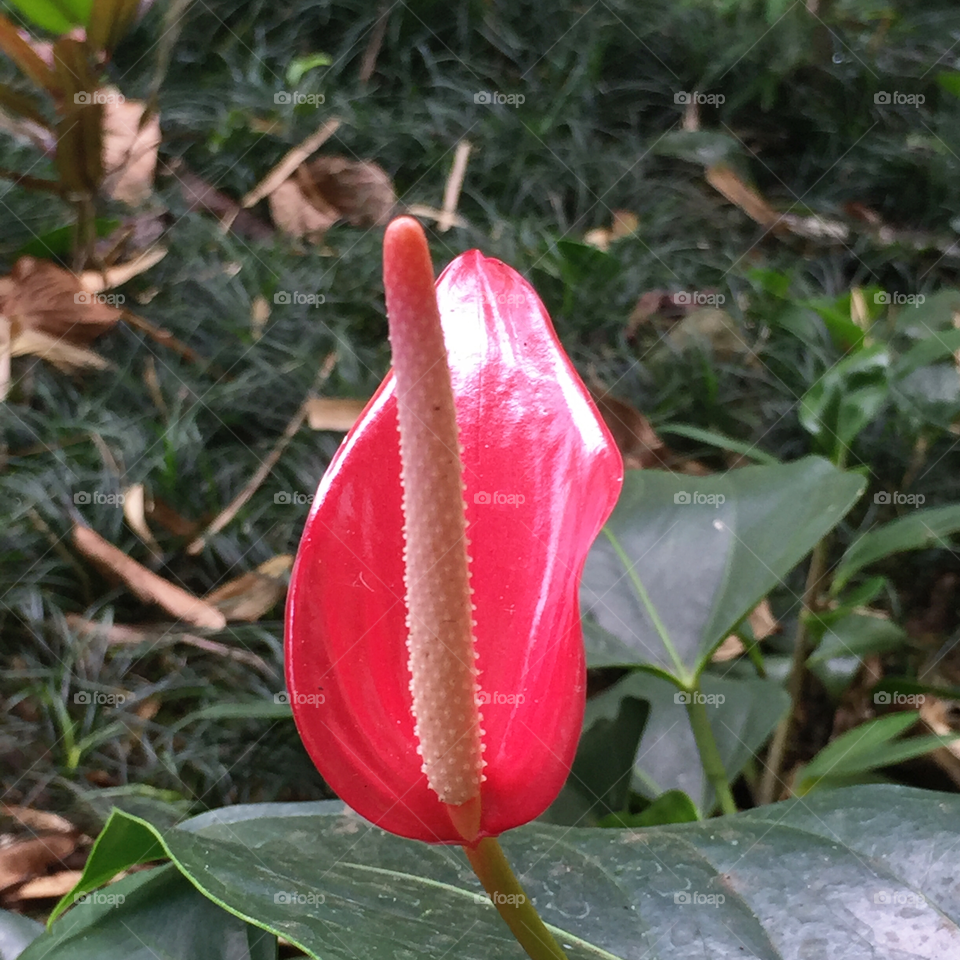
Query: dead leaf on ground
[[93, 281], [162, 513], [333, 413], [249, 596], [637, 441], [763, 624], [259, 315], [40, 821], [134, 512], [635, 438], [665, 305], [624, 223], [39, 295], [129, 150], [329, 189], [727, 183], [200, 195], [940, 716], [711, 325], [44, 888], [22, 860], [145, 583], [295, 216]]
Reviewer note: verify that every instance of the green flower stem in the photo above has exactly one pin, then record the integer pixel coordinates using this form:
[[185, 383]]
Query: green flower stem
[[771, 783], [709, 754], [512, 903]]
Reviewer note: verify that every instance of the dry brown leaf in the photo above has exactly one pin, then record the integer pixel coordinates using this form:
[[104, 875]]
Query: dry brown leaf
[[23, 860], [39, 820], [936, 714], [762, 621], [145, 583], [62, 354], [39, 295], [5, 355], [624, 223], [250, 596], [714, 326], [763, 624], [93, 281], [333, 413], [359, 190], [200, 195], [135, 513], [161, 512], [727, 183], [329, 189], [44, 888], [259, 315], [129, 150], [294, 215], [635, 438]]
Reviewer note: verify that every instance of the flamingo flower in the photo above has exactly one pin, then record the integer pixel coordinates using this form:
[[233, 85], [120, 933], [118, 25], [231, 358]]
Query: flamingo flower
[[434, 652]]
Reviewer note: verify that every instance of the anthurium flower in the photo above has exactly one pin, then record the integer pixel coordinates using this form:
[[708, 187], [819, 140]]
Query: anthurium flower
[[434, 652]]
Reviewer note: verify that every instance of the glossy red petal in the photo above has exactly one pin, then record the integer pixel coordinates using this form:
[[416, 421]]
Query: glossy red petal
[[542, 474]]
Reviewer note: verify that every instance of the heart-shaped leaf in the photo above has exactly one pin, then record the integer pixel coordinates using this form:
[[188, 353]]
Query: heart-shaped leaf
[[682, 560], [861, 873], [151, 915], [16, 933], [742, 714]]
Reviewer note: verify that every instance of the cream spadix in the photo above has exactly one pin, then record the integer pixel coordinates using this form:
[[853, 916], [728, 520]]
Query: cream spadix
[[442, 660]]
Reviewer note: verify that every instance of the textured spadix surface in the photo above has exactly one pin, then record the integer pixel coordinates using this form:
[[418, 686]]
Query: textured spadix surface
[[442, 661], [541, 475]]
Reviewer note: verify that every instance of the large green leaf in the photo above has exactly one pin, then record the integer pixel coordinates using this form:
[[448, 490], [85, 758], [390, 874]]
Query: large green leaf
[[602, 771], [682, 560], [920, 528], [742, 714], [866, 873], [57, 16], [16, 932], [151, 915]]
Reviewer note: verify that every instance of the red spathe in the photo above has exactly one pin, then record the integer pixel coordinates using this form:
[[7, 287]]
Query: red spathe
[[542, 474]]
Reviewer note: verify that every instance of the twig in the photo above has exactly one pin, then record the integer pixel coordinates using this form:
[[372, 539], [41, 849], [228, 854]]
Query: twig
[[145, 583], [118, 634], [369, 62], [263, 471], [164, 337], [771, 774], [451, 193], [290, 162]]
